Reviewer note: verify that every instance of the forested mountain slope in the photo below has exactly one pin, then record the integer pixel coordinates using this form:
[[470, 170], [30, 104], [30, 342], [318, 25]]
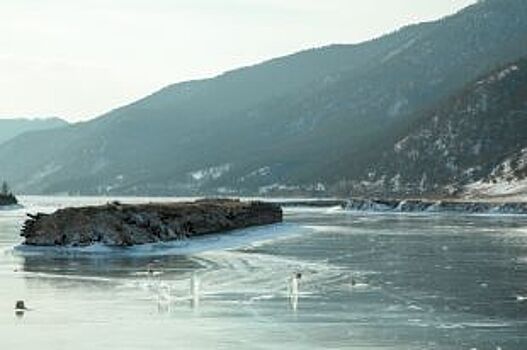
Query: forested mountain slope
[[311, 121]]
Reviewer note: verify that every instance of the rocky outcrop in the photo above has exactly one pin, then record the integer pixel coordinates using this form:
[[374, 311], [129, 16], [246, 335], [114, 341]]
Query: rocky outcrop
[[117, 224], [423, 205]]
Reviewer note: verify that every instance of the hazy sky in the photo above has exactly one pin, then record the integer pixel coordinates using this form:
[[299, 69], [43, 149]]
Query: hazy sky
[[79, 58]]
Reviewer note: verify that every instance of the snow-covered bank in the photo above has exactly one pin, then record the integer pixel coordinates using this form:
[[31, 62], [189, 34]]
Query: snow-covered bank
[[423, 205], [508, 180]]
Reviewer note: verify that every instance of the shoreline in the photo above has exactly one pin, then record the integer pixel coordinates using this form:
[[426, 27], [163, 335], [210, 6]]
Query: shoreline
[[441, 206]]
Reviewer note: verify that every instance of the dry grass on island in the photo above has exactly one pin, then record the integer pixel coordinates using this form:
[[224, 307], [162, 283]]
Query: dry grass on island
[[123, 225]]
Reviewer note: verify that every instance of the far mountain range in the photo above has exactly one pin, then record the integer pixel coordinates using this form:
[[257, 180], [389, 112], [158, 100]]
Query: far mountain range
[[12, 127], [433, 109]]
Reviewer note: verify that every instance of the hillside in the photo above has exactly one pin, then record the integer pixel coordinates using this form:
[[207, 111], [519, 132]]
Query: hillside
[[506, 180], [10, 128], [475, 137], [313, 121]]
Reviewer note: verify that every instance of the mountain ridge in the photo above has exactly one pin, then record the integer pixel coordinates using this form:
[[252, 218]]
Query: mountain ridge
[[304, 122], [13, 127]]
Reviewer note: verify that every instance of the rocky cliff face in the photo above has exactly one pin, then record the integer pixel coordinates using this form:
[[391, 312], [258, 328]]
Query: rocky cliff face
[[124, 225]]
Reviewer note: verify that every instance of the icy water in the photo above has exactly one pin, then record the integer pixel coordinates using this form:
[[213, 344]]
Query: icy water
[[369, 281]]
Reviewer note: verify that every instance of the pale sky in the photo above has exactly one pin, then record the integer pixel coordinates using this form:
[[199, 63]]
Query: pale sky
[[77, 59]]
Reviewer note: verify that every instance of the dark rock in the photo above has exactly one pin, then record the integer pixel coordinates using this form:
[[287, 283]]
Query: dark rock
[[20, 305], [126, 224]]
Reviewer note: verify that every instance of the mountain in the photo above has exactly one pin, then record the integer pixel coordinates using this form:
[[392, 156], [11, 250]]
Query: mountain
[[10, 128], [315, 121], [474, 141]]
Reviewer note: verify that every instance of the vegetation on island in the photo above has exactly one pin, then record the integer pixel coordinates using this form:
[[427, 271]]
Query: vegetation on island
[[6, 195]]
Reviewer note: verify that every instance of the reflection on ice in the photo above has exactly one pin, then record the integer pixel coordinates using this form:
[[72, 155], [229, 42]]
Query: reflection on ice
[[294, 281], [194, 290]]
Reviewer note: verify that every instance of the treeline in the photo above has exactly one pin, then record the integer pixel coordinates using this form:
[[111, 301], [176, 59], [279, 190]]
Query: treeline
[[6, 195]]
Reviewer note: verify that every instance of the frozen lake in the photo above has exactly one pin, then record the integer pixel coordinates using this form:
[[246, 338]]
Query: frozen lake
[[369, 281]]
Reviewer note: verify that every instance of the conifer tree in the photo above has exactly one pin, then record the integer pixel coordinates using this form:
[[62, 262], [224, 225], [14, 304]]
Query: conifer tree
[[5, 189]]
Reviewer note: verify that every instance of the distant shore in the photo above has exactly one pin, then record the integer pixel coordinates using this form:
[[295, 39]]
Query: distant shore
[[323, 202], [413, 205]]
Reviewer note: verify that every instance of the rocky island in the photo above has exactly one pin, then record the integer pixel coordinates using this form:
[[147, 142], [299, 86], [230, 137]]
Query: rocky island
[[7, 198], [123, 225]]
